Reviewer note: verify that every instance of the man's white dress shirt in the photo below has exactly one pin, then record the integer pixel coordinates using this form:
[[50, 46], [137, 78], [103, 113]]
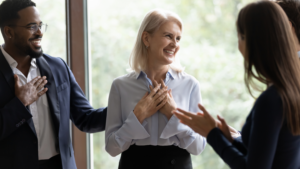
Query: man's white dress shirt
[[39, 110]]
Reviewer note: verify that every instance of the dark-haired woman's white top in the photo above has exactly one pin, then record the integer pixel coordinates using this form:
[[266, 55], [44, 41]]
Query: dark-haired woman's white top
[[123, 128]]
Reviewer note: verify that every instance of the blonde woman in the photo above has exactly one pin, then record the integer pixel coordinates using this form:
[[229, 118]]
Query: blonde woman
[[140, 123]]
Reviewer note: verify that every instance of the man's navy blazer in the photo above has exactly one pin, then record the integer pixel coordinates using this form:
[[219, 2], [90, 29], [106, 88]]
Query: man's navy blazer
[[18, 140]]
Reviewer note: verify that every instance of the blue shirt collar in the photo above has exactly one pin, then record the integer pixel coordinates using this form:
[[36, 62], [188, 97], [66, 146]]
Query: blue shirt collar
[[170, 74]]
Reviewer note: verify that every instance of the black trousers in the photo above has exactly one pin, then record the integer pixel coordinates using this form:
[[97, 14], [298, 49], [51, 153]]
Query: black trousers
[[155, 157], [52, 163]]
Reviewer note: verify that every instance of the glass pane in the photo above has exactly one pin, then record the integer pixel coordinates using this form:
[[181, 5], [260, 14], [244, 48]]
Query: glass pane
[[54, 39], [208, 52], [53, 13]]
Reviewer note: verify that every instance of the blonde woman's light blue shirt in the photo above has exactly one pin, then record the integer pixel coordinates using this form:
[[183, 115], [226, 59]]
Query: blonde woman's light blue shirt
[[123, 128]]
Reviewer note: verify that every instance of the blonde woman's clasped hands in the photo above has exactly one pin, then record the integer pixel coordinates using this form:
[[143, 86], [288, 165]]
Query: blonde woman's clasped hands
[[159, 98], [170, 104], [150, 103]]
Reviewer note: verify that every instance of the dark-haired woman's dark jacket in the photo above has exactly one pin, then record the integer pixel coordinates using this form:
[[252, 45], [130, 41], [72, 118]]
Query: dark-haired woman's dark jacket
[[266, 140]]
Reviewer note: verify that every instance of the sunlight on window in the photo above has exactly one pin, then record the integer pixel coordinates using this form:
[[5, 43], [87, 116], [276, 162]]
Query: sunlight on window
[[208, 52]]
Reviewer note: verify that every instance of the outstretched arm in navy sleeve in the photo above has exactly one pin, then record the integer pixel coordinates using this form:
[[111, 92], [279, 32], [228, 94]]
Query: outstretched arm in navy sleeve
[[265, 122], [83, 115]]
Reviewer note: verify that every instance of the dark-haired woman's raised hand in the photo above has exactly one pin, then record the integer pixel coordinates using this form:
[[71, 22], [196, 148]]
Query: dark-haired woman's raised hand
[[202, 122], [150, 103], [226, 130]]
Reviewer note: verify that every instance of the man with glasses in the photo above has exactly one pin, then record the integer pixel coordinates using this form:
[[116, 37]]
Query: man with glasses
[[39, 95]]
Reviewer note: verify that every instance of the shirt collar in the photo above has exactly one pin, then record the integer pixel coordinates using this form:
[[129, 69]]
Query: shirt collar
[[33, 63], [12, 62], [138, 75], [170, 74]]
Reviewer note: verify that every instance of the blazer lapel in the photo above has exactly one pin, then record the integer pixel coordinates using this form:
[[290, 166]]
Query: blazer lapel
[[9, 76], [51, 93]]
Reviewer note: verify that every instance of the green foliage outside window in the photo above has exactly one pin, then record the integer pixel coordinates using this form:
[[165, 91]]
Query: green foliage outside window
[[209, 52]]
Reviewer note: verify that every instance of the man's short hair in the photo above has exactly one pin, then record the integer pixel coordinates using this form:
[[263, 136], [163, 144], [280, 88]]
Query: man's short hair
[[9, 10], [292, 10]]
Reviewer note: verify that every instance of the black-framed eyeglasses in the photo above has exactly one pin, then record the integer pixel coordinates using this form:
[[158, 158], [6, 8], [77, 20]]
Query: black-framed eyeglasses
[[34, 27]]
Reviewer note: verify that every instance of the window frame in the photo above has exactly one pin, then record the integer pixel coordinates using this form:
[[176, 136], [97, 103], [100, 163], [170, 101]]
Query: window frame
[[78, 60]]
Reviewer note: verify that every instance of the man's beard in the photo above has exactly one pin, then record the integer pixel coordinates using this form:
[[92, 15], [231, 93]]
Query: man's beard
[[25, 49], [34, 54]]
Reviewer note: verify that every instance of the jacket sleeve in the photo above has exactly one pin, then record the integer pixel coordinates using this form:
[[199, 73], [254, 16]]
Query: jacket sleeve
[[266, 122], [238, 143], [12, 116], [83, 115]]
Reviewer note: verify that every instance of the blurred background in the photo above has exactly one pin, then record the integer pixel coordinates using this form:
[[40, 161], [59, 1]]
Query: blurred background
[[208, 51]]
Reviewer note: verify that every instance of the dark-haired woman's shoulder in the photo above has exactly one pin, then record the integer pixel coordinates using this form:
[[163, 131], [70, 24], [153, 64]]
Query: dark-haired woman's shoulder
[[267, 136], [269, 103], [265, 117]]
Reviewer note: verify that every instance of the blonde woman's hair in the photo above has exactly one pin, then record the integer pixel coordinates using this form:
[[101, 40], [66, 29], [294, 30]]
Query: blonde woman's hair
[[151, 23]]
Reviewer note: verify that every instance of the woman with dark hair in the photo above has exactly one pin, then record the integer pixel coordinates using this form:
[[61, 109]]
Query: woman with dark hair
[[271, 134]]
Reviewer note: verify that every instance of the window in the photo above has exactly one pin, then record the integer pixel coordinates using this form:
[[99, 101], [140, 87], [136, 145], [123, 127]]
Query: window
[[208, 52], [54, 39]]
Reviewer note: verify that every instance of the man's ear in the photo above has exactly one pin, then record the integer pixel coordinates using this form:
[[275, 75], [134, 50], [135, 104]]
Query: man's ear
[[7, 32], [146, 38]]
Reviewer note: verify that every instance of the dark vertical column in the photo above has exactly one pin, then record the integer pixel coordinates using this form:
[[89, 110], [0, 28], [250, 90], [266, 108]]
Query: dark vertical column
[[76, 57]]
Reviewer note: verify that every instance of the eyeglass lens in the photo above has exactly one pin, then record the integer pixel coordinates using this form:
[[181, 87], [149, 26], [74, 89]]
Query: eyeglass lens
[[43, 28]]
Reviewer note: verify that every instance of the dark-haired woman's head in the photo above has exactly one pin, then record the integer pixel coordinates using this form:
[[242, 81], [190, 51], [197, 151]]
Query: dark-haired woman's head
[[268, 47], [21, 27]]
